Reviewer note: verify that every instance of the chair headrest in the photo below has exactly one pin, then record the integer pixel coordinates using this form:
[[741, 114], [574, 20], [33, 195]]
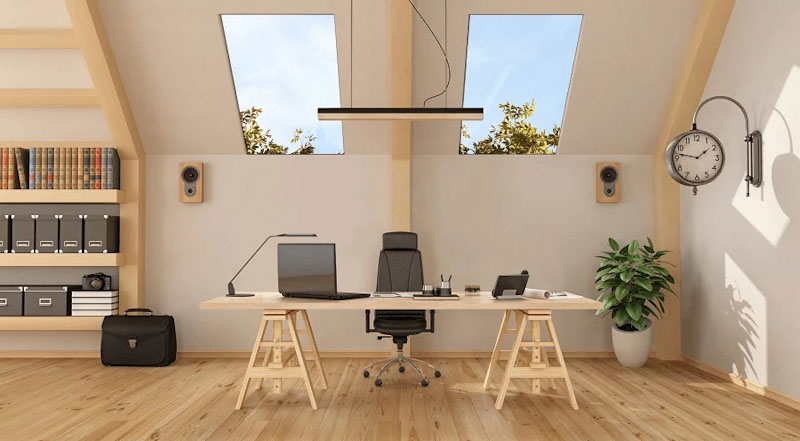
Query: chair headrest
[[400, 240]]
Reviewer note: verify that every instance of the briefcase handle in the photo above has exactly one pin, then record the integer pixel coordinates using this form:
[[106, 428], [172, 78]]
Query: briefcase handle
[[138, 310]]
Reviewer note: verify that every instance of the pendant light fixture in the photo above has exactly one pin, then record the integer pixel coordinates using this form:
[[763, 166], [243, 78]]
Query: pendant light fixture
[[401, 113]]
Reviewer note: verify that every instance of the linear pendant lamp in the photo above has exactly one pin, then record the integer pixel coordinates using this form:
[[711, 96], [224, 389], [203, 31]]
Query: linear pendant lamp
[[401, 113]]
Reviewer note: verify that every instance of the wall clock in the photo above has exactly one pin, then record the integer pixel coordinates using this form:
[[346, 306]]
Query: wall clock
[[696, 157]]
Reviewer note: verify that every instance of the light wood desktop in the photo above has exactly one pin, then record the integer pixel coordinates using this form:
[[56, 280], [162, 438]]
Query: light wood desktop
[[282, 310]]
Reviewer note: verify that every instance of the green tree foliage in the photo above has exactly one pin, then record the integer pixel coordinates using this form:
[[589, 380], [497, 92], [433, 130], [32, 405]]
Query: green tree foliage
[[514, 135], [258, 141]]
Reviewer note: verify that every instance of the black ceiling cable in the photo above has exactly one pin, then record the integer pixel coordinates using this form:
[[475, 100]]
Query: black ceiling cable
[[447, 62]]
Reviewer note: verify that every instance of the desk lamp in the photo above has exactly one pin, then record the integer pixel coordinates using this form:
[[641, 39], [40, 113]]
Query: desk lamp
[[231, 290]]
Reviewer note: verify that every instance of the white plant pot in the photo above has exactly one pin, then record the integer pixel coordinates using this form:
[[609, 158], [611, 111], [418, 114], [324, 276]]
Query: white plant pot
[[632, 347]]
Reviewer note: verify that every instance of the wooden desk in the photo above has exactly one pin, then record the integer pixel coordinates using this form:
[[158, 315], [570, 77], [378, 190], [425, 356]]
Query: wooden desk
[[282, 310]]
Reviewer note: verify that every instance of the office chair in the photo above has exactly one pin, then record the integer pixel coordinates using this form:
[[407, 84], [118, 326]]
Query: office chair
[[400, 269]]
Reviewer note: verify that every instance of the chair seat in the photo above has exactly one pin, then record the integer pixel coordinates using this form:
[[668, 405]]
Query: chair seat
[[400, 327]]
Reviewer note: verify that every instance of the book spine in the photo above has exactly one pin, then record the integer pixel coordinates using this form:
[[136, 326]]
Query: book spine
[[62, 166], [40, 169], [92, 163], [104, 168], [75, 168], [32, 168], [79, 170], [56, 168], [22, 176], [113, 172], [50, 171], [86, 156], [98, 163], [12, 169], [4, 170]]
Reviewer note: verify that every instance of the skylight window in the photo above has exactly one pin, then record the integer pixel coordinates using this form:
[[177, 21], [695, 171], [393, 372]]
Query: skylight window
[[518, 69], [284, 68]]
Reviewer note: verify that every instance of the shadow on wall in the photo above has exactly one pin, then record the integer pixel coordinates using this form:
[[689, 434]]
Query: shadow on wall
[[742, 332]]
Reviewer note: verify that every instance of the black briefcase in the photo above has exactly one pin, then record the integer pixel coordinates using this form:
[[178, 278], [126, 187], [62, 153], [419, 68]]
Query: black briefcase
[[138, 340]]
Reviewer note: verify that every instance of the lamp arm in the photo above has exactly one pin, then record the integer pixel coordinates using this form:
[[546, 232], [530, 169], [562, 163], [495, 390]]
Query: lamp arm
[[252, 256], [727, 98]]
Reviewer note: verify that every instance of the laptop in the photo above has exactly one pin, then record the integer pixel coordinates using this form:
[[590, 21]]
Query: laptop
[[510, 287], [308, 270]]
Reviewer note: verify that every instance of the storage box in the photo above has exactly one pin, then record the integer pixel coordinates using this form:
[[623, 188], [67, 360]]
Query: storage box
[[70, 236], [101, 234], [47, 233], [10, 300], [5, 233], [47, 300], [23, 231]]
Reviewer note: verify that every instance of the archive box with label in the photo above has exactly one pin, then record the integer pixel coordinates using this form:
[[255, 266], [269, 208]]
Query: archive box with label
[[23, 231], [70, 234], [101, 234], [10, 300], [47, 234], [5, 233], [47, 300]]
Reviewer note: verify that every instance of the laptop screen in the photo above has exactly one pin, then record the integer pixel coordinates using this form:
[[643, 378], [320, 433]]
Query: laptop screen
[[307, 268]]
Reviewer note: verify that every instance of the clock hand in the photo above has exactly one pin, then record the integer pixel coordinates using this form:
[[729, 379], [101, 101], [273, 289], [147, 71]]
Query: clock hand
[[688, 156], [701, 154]]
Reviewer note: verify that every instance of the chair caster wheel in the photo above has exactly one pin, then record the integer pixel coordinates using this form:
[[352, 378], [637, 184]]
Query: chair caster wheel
[[366, 373], [378, 382], [437, 374], [401, 369], [425, 383]]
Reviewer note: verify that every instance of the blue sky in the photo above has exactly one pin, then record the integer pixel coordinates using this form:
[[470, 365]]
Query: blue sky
[[289, 74], [287, 65], [517, 58]]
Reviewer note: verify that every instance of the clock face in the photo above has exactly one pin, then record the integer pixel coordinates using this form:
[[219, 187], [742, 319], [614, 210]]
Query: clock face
[[695, 158]]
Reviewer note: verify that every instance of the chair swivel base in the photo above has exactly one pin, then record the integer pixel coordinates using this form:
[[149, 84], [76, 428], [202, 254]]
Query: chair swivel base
[[401, 359]]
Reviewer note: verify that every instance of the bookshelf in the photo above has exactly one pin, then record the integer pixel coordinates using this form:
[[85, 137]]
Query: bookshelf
[[50, 323], [88, 33], [60, 196], [64, 259]]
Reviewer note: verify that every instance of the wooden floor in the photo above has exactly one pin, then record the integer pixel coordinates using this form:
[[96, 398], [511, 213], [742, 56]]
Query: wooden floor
[[53, 399]]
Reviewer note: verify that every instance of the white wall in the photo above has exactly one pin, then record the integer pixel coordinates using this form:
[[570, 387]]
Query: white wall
[[740, 277]]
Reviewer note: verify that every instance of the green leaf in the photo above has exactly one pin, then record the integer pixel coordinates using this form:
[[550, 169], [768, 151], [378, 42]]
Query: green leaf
[[634, 310], [644, 284], [638, 324], [627, 276], [621, 292], [613, 244], [633, 248], [620, 316]]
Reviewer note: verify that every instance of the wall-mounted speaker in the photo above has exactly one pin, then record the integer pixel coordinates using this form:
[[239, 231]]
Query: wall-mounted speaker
[[190, 183], [609, 184]]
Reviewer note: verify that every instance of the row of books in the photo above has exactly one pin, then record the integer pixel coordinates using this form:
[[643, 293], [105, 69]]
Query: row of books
[[95, 303], [94, 168]]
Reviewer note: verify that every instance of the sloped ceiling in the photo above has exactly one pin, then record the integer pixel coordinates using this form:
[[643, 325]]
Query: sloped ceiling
[[174, 66]]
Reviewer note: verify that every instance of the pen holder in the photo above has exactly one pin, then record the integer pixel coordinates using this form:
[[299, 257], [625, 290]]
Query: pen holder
[[443, 292]]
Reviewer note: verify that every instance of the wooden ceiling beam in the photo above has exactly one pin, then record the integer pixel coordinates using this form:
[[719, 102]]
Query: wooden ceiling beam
[[702, 51]]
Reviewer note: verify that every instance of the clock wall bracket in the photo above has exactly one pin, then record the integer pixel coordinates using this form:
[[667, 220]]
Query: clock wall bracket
[[705, 168]]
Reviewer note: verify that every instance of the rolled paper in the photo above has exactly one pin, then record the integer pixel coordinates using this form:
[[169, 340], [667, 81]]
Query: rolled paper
[[537, 293]]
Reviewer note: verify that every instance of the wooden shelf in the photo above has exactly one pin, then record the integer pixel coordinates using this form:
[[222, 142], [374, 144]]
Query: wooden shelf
[[49, 98], [38, 39], [64, 259], [50, 323], [61, 196]]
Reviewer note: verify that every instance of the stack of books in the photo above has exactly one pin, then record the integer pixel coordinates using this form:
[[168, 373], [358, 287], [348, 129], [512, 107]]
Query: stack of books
[[95, 168], [95, 303]]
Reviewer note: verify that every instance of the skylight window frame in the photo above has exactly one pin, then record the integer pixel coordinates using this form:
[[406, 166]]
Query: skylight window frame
[[233, 82], [569, 86]]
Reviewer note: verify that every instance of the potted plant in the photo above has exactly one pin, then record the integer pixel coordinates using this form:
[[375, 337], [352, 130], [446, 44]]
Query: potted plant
[[631, 281]]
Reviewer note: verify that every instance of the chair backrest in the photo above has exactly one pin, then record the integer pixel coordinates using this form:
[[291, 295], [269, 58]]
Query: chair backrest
[[400, 263]]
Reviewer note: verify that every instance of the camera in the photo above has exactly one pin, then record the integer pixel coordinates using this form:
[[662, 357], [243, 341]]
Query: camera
[[96, 282]]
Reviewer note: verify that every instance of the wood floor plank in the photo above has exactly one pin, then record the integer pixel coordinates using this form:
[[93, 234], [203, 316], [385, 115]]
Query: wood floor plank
[[194, 399]]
